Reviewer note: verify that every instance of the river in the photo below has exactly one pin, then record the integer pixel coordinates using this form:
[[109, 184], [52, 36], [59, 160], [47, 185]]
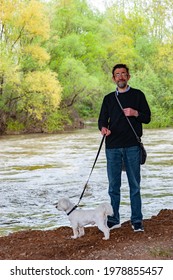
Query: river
[[36, 170]]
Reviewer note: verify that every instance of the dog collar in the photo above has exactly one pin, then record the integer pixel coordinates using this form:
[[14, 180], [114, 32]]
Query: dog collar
[[72, 210]]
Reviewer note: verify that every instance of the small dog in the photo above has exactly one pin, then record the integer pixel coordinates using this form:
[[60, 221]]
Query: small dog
[[79, 218]]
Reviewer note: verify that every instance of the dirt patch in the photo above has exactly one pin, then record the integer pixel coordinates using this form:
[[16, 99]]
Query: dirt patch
[[155, 243]]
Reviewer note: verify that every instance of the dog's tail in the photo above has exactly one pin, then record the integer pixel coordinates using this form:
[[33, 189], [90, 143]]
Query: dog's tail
[[106, 208]]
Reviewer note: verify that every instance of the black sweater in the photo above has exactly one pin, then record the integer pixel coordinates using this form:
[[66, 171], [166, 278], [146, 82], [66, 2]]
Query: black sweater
[[112, 116]]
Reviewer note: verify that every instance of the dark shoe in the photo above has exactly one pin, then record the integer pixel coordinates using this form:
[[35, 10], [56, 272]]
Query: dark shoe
[[112, 225], [137, 227]]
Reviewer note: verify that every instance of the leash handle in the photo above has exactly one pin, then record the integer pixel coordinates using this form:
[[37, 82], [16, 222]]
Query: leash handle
[[86, 184]]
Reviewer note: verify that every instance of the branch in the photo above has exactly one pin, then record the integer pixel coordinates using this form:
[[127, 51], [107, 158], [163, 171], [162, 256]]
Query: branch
[[2, 82], [2, 30], [20, 34], [13, 99], [71, 103]]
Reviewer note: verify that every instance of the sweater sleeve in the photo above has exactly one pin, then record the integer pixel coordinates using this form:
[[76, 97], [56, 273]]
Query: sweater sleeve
[[103, 120], [144, 110]]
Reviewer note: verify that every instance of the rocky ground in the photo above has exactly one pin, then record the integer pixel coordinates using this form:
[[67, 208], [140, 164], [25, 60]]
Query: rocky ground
[[155, 243]]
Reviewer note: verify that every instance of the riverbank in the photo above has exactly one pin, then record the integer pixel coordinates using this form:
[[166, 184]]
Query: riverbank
[[155, 243]]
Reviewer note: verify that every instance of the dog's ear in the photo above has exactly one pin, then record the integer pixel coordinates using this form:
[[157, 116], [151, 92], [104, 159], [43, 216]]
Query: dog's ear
[[65, 201]]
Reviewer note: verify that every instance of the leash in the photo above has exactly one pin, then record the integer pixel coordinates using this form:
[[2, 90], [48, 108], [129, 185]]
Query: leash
[[86, 184], [137, 137]]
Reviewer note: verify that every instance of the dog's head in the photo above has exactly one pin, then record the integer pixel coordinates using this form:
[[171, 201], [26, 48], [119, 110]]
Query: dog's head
[[64, 204]]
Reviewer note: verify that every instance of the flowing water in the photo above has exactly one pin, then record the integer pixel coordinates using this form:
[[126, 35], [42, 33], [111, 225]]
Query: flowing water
[[36, 170]]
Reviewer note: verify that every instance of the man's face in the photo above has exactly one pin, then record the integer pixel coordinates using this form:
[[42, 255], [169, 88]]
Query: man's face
[[121, 77]]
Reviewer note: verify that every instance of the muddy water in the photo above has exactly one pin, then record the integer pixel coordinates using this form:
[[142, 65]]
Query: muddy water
[[36, 170]]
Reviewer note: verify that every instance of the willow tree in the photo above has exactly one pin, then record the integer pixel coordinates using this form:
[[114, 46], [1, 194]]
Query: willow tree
[[29, 91]]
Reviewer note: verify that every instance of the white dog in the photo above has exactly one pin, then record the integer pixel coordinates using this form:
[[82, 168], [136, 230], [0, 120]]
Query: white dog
[[79, 218]]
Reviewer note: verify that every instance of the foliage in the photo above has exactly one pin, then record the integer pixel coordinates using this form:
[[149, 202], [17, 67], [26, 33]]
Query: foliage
[[57, 57], [29, 90]]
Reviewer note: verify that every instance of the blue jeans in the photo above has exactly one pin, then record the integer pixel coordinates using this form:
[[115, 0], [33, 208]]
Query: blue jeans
[[131, 158]]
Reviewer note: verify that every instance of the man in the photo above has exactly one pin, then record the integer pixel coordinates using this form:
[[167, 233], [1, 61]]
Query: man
[[122, 146]]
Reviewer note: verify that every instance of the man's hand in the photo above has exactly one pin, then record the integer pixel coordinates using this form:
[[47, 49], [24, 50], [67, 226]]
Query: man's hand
[[105, 131], [129, 112]]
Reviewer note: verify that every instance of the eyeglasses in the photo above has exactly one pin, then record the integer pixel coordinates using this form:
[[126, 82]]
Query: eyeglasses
[[117, 75]]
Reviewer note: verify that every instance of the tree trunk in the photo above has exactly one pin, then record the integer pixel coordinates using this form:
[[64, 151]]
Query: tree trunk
[[3, 124]]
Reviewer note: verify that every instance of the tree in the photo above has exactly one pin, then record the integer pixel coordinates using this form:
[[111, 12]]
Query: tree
[[57, 59], [27, 86], [77, 55]]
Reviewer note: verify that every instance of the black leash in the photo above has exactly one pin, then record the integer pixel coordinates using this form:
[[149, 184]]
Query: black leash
[[88, 177], [137, 137]]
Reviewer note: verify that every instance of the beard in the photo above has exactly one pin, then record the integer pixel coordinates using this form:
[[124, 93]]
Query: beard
[[122, 84]]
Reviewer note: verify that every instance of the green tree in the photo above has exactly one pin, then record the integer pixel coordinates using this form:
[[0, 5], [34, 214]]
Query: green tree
[[77, 55], [57, 58], [27, 85]]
